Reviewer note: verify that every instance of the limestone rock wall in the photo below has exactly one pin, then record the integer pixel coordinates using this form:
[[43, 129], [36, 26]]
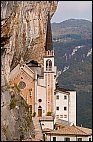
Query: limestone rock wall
[[25, 23], [16, 121]]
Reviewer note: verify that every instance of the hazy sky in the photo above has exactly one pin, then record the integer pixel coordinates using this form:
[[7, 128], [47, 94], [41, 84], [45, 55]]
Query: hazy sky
[[73, 9]]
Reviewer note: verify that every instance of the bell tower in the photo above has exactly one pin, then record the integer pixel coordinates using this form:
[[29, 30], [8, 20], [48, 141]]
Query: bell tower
[[49, 70]]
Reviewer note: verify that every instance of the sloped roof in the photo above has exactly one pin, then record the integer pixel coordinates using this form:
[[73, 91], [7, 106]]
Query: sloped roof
[[86, 130], [46, 118], [18, 69], [61, 90], [64, 89], [72, 130], [32, 63], [47, 130], [58, 89], [61, 122]]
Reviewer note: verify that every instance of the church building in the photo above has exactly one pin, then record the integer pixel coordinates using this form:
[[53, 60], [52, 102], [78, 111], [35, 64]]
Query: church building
[[37, 85]]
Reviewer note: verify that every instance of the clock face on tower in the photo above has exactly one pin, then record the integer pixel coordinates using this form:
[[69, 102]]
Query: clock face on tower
[[22, 85]]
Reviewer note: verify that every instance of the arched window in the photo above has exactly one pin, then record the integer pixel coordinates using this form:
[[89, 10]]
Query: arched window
[[48, 52], [40, 107], [52, 53], [48, 65]]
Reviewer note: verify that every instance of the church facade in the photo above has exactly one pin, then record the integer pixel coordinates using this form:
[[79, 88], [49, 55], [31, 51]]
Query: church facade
[[37, 86]]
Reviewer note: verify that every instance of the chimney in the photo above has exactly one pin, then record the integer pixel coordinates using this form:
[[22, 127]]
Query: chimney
[[81, 125]]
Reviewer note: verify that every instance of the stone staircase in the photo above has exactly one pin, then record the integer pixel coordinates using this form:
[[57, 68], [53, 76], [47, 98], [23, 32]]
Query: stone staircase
[[38, 129]]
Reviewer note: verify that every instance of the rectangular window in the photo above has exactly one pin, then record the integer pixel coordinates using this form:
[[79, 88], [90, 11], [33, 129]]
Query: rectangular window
[[57, 108], [43, 111], [79, 139], [57, 116], [66, 139], [61, 116], [65, 108], [54, 138], [57, 97], [65, 97], [65, 116]]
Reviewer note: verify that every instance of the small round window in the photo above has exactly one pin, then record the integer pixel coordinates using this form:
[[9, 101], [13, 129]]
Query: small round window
[[39, 100], [22, 85]]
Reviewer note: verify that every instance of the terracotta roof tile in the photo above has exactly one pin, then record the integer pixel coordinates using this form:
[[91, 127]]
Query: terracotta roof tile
[[86, 130], [61, 122], [71, 130]]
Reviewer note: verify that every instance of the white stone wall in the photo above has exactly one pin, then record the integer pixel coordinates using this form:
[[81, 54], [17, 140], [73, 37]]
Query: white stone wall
[[41, 94], [72, 107], [61, 103], [47, 124], [62, 138], [70, 103], [89, 137], [41, 82]]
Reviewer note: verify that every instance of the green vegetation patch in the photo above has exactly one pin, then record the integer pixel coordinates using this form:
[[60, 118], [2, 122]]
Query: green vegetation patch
[[13, 103]]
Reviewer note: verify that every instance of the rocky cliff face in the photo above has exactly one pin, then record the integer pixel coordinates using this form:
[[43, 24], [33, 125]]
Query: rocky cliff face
[[16, 120], [24, 23]]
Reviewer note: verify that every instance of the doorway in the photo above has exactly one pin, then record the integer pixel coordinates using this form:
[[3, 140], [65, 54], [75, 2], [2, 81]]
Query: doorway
[[39, 111]]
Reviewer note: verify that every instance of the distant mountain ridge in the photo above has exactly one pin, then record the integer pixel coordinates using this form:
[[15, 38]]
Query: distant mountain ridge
[[73, 22], [72, 40], [75, 27]]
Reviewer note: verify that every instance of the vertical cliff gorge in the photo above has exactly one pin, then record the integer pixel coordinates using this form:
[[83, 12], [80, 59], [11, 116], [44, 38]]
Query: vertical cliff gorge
[[24, 26]]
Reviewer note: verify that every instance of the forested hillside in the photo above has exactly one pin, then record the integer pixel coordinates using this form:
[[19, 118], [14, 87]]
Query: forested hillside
[[72, 41]]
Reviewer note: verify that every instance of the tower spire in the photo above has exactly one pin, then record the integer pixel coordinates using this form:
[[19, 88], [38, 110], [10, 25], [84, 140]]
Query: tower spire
[[49, 44]]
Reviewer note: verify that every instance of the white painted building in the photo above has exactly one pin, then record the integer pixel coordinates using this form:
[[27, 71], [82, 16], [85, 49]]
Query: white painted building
[[66, 105], [47, 122], [69, 133]]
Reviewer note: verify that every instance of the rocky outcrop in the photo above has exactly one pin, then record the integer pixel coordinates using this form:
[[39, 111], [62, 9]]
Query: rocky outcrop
[[16, 119], [25, 22]]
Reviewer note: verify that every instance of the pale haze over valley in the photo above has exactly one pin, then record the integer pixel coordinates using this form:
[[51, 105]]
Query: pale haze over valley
[[73, 10]]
